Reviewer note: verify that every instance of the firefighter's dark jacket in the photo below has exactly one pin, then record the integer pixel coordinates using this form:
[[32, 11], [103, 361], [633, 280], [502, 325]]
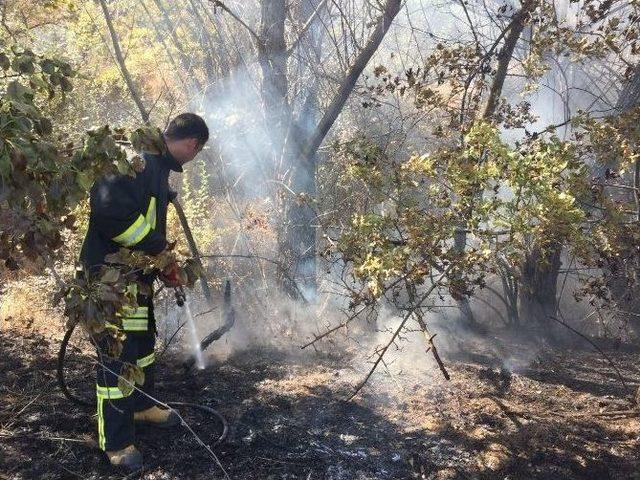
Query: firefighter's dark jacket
[[129, 212]]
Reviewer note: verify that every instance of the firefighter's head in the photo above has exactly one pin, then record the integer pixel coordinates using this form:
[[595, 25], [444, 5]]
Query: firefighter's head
[[185, 135]]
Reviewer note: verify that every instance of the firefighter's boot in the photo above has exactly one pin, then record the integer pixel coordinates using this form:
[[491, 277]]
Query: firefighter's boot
[[157, 417], [129, 459]]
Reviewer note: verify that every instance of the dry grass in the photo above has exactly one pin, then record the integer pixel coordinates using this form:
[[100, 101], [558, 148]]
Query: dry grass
[[26, 306]]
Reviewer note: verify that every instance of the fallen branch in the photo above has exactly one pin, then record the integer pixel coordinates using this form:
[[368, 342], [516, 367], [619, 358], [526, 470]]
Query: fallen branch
[[16, 415], [396, 333]]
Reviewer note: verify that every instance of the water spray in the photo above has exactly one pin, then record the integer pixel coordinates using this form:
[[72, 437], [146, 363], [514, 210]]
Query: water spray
[[181, 301]]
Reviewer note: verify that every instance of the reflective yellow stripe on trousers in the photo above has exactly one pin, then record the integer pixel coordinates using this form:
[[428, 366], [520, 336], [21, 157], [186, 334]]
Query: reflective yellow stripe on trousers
[[105, 393], [134, 319]]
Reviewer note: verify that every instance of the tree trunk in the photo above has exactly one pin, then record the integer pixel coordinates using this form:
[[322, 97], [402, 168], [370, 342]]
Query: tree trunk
[[133, 90], [516, 27], [630, 96], [295, 141], [301, 231], [273, 63], [300, 240], [538, 285]]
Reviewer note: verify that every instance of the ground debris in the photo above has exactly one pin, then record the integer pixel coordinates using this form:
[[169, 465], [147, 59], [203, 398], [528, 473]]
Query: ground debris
[[546, 420]]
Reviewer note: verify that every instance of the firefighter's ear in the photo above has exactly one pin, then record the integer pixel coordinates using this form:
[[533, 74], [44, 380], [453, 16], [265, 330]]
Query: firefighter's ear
[[193, 143]]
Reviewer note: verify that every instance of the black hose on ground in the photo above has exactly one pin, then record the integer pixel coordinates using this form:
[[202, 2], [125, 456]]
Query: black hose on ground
[[87, 404]]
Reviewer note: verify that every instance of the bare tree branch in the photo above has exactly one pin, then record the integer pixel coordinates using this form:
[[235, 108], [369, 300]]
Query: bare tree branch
[[305, 27], [133, 90], [218, 3], [391, 9]]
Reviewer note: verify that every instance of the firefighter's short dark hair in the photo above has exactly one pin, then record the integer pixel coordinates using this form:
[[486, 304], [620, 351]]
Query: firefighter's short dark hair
[[188, 125]]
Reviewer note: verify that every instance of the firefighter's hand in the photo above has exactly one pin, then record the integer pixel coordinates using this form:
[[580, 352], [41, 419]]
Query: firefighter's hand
[[173, 276]]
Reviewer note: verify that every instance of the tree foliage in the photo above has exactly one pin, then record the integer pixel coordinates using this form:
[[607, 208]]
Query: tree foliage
[[45, 175]]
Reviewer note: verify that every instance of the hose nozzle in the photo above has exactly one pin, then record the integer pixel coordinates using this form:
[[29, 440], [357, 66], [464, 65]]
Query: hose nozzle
[[181, 297]]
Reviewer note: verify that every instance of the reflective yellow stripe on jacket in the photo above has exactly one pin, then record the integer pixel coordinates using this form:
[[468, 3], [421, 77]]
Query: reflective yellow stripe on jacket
[[150, 217], [140, 228]]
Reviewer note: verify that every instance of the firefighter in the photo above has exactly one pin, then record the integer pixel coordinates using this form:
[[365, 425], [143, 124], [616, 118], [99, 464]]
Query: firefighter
[[132, 212]]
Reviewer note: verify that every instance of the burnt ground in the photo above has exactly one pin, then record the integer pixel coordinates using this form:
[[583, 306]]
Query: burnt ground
[[561, 416]]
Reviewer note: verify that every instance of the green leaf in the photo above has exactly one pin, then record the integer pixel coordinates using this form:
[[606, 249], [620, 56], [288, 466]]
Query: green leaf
[[123, 167], [23, 64], [5, 63], [18, 91], [48, 66], [55, 78], [66, 84], [114, 345], [138, 375], [44, 126], [36, 81], [111, 275], [84, 181], [66, 69], [125, 385], [138, 163], [90, 316], [5, 165], [148, 139]]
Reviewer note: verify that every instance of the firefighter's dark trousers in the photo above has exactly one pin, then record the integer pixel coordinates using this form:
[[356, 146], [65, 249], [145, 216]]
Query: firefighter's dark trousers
[[115, 410]]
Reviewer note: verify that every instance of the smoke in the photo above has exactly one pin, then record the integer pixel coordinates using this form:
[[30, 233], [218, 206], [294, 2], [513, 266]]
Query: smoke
[[241, 144], [247, 175]]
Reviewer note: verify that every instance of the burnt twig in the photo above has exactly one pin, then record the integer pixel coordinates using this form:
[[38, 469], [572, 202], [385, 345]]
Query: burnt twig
[[333, 329]]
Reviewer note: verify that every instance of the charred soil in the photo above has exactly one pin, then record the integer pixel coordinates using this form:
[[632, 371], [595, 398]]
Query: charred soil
[[563, 415]]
